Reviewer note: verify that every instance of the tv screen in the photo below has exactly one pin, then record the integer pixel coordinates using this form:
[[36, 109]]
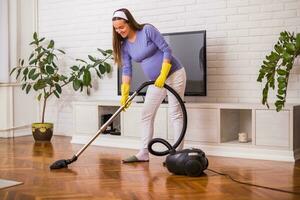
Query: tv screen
[[190, 49]]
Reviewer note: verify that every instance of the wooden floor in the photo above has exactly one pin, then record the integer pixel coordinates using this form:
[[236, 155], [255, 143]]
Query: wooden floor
[[99, 174]]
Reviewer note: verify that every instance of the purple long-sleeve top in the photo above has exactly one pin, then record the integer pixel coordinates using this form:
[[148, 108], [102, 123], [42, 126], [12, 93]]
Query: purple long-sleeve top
[[149, 49]]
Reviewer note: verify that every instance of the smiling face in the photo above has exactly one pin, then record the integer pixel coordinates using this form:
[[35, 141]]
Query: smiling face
[[121, 27]]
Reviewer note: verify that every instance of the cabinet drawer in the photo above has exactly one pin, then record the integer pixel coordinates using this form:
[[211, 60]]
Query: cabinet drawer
[[202, 125], [132, 126], [272, 128], [86, 119]]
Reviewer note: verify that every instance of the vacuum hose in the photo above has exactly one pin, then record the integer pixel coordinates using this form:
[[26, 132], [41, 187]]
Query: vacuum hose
[[163, 141], [65, 162]]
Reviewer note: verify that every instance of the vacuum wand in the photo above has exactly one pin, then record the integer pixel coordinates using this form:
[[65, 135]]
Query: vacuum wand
[[65, 162]]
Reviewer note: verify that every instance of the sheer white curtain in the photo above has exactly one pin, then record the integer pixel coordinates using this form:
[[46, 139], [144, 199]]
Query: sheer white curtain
[[4, 42]]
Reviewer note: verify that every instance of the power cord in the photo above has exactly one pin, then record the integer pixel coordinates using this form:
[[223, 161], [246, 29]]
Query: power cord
[[250, 184]]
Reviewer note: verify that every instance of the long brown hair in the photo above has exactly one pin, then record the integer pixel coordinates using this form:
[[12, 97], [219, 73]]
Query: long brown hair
[[117, 39]]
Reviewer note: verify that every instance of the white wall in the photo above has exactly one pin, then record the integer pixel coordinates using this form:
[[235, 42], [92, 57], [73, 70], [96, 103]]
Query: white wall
[[25, 109], [16, 108], [239, 35], [4, 41]]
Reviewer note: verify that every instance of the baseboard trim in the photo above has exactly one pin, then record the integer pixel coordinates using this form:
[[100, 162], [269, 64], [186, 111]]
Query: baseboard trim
[[297, 154], [212, 150], [248, 153], [109, 141], [18, 133]]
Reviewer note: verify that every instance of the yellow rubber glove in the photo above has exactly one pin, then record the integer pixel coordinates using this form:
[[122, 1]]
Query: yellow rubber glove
[[125, 88], [165, 69]]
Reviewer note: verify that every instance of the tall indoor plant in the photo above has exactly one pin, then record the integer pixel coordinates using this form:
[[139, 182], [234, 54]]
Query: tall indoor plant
[[43, 75], [277, 67]]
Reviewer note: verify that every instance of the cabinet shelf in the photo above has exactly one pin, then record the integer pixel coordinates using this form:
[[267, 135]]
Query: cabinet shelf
[[236, 142], [235, 121], [104, 113]]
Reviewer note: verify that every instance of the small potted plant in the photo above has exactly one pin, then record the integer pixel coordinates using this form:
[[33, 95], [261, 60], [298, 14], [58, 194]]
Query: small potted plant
[[277, 66], [43, 76]]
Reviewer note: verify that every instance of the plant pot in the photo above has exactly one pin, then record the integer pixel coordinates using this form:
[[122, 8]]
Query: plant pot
[[42, 131]]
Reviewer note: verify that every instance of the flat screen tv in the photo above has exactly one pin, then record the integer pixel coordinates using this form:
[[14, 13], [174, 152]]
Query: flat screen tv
[[190, 49]]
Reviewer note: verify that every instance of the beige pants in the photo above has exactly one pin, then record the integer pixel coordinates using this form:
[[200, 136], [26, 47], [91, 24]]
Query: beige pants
[[153, 99]]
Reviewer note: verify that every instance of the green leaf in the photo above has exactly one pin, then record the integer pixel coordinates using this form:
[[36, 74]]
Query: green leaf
[[40, 55], [298, 41], [76, 84], [102, 51], [51, 44], [282, 85], [279, 107], [98, 74], [279, 103], [107, 67], [61, 51], [40, 84], [35, 37], [281, 72], [35, 76], [281, 79], [109, 51], [50, 58], [272, 82], [63, 78], [49, 81], [54, 65], [49, 69], [81, 60], [25, 71], [92, 58], [286, 56], [280, 97], [38, 49], [33, 61], [81, 70], [39, 97], [12, 71], [23, 86], [278, 49], [72, 78], [102, 69], [290, 48], [260, 77], [87, 78], [34, 42], [75, 68], [18, 73], [265, 94], [42, 39], [31, 73], [31, 55], [274, 56], [281, 91], [58, 88], [289, 66], [56, 94], [28, 88]]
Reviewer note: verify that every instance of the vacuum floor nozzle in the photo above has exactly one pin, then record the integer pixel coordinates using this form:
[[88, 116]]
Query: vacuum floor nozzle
[[63, 163]]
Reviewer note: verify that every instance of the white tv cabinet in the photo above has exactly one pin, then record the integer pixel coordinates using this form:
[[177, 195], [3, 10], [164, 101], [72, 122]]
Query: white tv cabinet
[[213, 127]]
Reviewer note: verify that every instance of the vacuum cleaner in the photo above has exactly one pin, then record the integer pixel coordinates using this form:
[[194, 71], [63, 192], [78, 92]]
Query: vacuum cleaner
[[190, 162]]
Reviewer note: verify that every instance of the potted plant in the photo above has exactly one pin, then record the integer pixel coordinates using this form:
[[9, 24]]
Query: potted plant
[[43, 76], [277, 66]]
